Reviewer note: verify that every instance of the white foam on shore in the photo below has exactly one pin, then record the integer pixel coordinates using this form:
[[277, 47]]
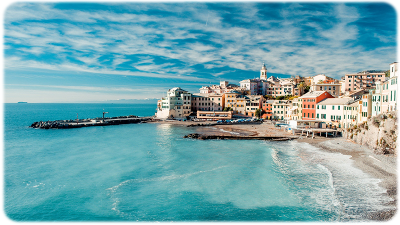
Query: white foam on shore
[[353, 192], [231, 132]]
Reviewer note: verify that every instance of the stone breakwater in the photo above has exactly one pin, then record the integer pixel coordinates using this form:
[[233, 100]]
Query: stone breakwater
[[107, 121], [222, 137]]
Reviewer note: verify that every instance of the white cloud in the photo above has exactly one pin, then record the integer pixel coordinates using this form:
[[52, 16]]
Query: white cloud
[[238, 47]]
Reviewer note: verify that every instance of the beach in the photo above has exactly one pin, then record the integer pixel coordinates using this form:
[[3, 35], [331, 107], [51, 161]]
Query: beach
[[382, 167]]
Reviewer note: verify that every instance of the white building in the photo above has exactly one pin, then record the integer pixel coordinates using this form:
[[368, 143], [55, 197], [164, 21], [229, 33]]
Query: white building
[[351, 114], [177, 104], [320, 78], [223, 87], [332, 110], [366, 110], [254, 86], [392, 83]]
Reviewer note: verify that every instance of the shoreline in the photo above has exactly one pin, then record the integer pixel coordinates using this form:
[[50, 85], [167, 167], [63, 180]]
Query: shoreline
[[382, 167]]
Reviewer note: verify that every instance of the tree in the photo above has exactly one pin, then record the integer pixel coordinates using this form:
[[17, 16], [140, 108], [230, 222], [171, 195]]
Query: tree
[[259, 113], [280, 97], [301, 87], [269, 97], [306, 89], [387, 73]]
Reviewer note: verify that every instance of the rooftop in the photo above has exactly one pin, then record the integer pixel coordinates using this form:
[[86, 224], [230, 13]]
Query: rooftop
[[335, 101], [312, 94]]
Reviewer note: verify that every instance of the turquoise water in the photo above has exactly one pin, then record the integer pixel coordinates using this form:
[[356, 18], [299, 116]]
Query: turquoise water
[[149, 172]]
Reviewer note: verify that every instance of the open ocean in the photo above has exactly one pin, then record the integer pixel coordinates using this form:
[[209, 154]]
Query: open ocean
[[149, 172]]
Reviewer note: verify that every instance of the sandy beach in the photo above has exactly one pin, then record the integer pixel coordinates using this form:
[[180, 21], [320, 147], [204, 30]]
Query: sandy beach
[[383, 167]]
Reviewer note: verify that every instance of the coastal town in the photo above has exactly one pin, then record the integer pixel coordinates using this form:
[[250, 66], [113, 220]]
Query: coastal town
[[319, 99]]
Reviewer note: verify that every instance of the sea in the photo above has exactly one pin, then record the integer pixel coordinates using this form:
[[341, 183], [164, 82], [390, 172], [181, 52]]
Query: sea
[[149, 172]]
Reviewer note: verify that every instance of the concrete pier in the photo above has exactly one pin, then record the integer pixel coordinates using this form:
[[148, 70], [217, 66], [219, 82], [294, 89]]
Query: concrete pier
[[67, 124]]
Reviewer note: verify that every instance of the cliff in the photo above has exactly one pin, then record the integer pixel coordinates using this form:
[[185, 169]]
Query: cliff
[[379, 133]]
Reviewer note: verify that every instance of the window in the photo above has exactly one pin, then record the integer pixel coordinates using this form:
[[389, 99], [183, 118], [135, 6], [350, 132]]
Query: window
[[338, 107], [317, 106], [317, 115], [333, 107], [312, 115], [308, 115]]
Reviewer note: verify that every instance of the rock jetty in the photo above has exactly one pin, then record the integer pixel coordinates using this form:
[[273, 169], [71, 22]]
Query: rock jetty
[[232, 137]]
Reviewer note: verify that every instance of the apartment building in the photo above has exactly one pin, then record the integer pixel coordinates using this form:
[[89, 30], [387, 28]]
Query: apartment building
[[366, 111], [253, 103], [376, 97], [363, 80], [177, 104], [281, 89], [351, 114], [267, 107], [207, 102], [295, 110], [331, 88], [332, 111], [280, 109], [309, 102]]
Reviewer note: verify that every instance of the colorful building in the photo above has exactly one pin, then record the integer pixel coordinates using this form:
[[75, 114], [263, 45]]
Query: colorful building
[[267, 108], [309, 102]]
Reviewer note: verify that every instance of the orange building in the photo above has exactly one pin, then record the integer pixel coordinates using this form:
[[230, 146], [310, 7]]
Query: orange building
[[267, 107], [309, 103]]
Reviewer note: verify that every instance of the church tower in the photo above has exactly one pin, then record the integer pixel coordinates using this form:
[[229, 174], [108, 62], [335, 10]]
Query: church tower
[[263, 72]]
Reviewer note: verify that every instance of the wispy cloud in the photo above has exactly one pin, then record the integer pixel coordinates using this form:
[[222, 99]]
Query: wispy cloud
[[172, 41]]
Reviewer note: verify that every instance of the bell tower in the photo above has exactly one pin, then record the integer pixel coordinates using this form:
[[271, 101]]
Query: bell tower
[[263, 72]]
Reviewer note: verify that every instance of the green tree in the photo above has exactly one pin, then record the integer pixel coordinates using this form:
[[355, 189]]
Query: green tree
[[387, 73], [259, 113], [268, 97], [280, 97], [306, 89]]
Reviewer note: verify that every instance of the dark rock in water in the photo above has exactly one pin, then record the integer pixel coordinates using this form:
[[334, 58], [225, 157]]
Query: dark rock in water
[[195, 136]]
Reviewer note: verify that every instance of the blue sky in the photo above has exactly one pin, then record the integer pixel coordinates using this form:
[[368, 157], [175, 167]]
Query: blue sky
[[75, 52]]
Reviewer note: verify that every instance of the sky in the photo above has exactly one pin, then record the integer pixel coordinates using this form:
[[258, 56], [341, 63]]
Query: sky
[[91, 52]]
